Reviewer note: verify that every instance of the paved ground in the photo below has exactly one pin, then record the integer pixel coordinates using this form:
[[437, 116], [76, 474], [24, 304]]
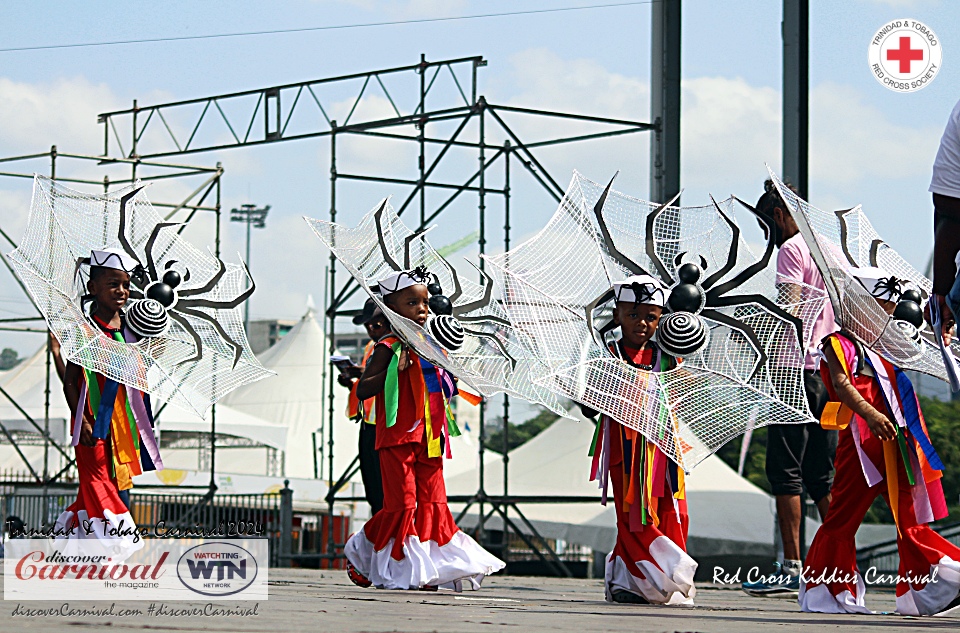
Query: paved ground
[[303, 600]]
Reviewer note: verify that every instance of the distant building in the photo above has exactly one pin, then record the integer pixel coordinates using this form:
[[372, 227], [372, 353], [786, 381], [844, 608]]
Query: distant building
[[264, 333], [351, 344]]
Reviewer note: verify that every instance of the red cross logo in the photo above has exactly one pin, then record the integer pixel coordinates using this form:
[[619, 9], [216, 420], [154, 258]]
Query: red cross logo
[[905, 55]]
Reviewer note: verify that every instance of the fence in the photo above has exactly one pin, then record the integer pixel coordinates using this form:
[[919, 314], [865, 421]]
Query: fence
[[884, 559], [295, 537]]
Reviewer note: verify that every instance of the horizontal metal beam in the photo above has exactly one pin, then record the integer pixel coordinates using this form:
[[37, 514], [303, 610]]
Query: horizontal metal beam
[[230, 95]]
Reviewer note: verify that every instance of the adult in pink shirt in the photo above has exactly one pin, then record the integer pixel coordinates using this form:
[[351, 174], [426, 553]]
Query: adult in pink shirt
[[799, 456]]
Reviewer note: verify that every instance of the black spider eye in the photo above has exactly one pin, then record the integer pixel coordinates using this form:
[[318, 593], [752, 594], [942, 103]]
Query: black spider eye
[[171, 278], [161, 293]]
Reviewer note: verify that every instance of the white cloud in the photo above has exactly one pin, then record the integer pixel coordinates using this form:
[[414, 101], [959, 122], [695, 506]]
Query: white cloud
[[853, 141], [63, 112], [728, 130]]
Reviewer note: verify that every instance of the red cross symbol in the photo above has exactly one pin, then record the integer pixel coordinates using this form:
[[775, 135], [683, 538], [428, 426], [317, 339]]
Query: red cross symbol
[[905, 55]]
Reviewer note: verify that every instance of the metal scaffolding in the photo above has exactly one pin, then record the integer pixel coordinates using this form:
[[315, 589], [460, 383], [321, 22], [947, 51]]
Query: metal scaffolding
[[258, 117]]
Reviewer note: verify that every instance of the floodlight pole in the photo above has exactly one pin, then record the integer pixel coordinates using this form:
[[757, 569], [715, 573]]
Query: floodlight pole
[[256, 217]]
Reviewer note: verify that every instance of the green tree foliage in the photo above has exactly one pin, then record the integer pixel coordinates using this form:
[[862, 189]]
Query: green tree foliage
[[519, 433], [943, 422], [9, 358]]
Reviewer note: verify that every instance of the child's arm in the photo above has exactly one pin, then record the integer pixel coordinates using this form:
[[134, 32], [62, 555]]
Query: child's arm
[[72, 375], [374, 373], [880, 424]]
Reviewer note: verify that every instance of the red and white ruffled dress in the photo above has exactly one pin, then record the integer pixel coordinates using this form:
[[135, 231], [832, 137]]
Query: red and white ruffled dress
[[650, 557], [413, 542], [125, 447], [906, 471]]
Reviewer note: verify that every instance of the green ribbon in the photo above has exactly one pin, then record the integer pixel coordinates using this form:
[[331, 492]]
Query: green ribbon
[[902, 443], [452, 429], [596, 436], [391, 386]]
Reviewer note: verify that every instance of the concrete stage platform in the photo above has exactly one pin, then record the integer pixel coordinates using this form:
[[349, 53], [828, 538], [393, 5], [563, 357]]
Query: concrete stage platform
[[322, 601]]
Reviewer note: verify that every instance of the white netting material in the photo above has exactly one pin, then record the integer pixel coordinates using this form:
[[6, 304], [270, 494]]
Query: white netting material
[[843, 239], [691, 411], [64, 226], [492, 359]]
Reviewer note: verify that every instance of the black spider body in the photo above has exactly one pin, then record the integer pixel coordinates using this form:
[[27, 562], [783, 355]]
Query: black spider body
[[148, 283], [717, 289]]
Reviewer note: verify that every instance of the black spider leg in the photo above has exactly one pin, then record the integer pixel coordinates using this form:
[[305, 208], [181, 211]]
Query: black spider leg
[[651, 245], [743, 328], [845, 235], [603, 298], [497, 342], [483, 301], [378, 222], [753, 269], [462, 309], [874, 250], [210, 303], [211, 284], [732, 255], [122, 232], [197, 343], [237, 347], [678, 259], [151, 264], [619, 257], [406, 246]]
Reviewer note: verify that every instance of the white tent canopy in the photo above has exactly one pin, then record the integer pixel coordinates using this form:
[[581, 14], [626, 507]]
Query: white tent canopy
[[726, 510]]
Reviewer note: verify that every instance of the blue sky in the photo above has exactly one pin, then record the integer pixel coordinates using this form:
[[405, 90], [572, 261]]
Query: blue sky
[[868, 145]]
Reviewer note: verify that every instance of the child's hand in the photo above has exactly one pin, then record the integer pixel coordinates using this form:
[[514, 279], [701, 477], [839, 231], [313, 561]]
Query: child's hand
[[881, 427], [404, 360], [86, 434]]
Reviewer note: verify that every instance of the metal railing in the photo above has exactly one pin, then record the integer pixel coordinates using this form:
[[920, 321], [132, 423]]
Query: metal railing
[[883, 559], [295, 537]]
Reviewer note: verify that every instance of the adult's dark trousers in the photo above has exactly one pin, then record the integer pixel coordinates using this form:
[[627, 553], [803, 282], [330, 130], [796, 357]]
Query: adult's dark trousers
[[801, 455], [370, 467]]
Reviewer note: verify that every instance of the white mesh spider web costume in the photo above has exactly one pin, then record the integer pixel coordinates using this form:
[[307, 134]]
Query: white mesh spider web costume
[[197, 351], [557, 291], [490, 358], [840, 241]]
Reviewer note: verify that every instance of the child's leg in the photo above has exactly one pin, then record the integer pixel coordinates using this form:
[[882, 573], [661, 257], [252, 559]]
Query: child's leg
[[648, 563], [459, 561], [97, 494], [433, 519], [929, 564], [380, 551], [831, 582]]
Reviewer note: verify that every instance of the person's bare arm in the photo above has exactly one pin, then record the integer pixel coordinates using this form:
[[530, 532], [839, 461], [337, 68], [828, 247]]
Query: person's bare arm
[[880, 423], [789, 294], [72, 375], [57, 356], [374, 373]]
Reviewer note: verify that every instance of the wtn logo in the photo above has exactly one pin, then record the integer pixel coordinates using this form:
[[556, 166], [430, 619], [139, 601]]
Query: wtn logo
[[217, 569], [225, 569]]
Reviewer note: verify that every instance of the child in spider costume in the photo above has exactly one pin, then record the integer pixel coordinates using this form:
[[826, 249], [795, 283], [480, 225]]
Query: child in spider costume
[[884, 449], [413, 542], [113, 425], [649, 563]]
